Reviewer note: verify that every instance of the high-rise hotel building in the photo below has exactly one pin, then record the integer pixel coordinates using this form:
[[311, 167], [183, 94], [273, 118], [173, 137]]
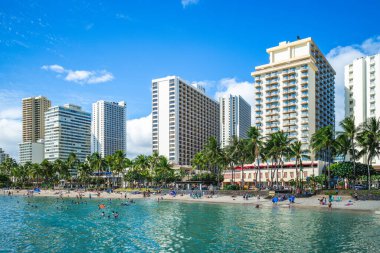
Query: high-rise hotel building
[[33, 118], [183, 119], [108, 127], [33, 129], [362, 91], [67, 130], [294, 92], [235, 118]]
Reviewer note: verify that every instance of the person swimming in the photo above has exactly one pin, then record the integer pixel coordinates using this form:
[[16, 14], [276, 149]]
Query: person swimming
[[116, 215], [103, 214]]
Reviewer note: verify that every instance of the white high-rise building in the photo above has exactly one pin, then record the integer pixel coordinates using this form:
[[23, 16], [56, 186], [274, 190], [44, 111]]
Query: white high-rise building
[[235, 118], [294, 92], [362, 90], [3, 155], [67, 130], [183, 119], [32, 152], [108, 127]]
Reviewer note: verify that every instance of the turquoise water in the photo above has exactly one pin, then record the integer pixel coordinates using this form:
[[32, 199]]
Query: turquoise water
[[148, 226]]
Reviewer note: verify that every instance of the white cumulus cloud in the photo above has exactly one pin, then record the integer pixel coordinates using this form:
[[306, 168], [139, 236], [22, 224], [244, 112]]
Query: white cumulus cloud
[[343, 55], [185, 3], [81, 76], [139, 136]]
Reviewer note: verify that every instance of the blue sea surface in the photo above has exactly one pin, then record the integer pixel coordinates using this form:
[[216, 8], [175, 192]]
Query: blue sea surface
[[49, 225]]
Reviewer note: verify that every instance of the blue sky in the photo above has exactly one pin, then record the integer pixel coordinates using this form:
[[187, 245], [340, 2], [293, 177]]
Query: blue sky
[[112, 49]]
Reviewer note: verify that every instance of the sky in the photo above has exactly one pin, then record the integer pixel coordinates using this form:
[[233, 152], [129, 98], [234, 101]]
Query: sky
[[87, 50]]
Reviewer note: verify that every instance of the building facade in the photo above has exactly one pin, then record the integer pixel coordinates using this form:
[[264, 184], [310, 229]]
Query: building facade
[[108, 127], [235, 118], [362, 91], [3, 155], [183, 119], [33, 118], [67, 130], [31, 152], [266, 175], [294, 92]]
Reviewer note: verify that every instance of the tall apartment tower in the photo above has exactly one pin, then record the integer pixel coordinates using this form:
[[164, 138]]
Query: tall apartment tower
[[108, 127], [362, 90], [33, 118], [294, 92], [183, 119], [235, 118], [67, 130]]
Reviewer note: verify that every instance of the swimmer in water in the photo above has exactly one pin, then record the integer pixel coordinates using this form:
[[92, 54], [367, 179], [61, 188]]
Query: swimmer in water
[[116, 215], [103, 214]]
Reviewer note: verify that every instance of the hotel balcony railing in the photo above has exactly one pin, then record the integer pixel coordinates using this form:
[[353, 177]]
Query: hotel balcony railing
[[291, 116]]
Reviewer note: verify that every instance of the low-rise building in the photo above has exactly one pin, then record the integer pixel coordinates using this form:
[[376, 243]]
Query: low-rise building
[[31, 152], [267, 176]]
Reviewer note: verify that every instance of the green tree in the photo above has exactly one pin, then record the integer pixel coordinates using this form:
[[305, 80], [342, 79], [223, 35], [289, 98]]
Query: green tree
[[369, 141], [212, 154], [349, 134], [299, 154], [323, 142], [255, 145]]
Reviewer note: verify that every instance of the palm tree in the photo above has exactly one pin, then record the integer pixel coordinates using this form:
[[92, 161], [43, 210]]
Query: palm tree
[[350, 132], [264, 156], [7, 165], [323, 141], [97, 163], [72, 163], [255, 145], [141, 166], [278, 146], [369, 141], [241, 154], [61, 169], [35, 172], [212, 153], [163, 170], [47, 170], [84, 172], [299, 154], [117, 162]]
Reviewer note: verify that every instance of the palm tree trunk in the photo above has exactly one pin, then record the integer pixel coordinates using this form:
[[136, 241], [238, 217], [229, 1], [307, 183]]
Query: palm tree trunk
[[369, 176], [242, 176]]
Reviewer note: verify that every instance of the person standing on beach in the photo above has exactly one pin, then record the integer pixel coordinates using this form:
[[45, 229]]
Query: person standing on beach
[[330, 206]]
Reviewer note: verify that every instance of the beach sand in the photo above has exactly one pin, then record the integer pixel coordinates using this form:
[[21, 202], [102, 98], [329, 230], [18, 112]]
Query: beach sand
[[312, 202]]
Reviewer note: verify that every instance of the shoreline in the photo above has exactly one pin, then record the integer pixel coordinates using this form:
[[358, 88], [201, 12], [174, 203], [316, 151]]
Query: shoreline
[[367, 206]]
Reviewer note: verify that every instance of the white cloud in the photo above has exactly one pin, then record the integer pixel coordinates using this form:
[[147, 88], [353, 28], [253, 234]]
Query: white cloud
[[104, 77], [14, 113], [54, 67], [81, 76], [11, 135], [185, 3], [139, 136], [343, 55], [10, 121], [78, 76]]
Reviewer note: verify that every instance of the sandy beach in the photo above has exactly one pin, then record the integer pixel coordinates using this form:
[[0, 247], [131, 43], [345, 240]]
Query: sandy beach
[[347, 203]]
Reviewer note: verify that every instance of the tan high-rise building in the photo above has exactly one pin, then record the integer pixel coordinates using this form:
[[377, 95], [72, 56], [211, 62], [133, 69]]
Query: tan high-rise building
[[33, 118], [294, 92]]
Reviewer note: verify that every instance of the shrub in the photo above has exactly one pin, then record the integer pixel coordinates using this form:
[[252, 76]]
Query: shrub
[[232, 187]]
